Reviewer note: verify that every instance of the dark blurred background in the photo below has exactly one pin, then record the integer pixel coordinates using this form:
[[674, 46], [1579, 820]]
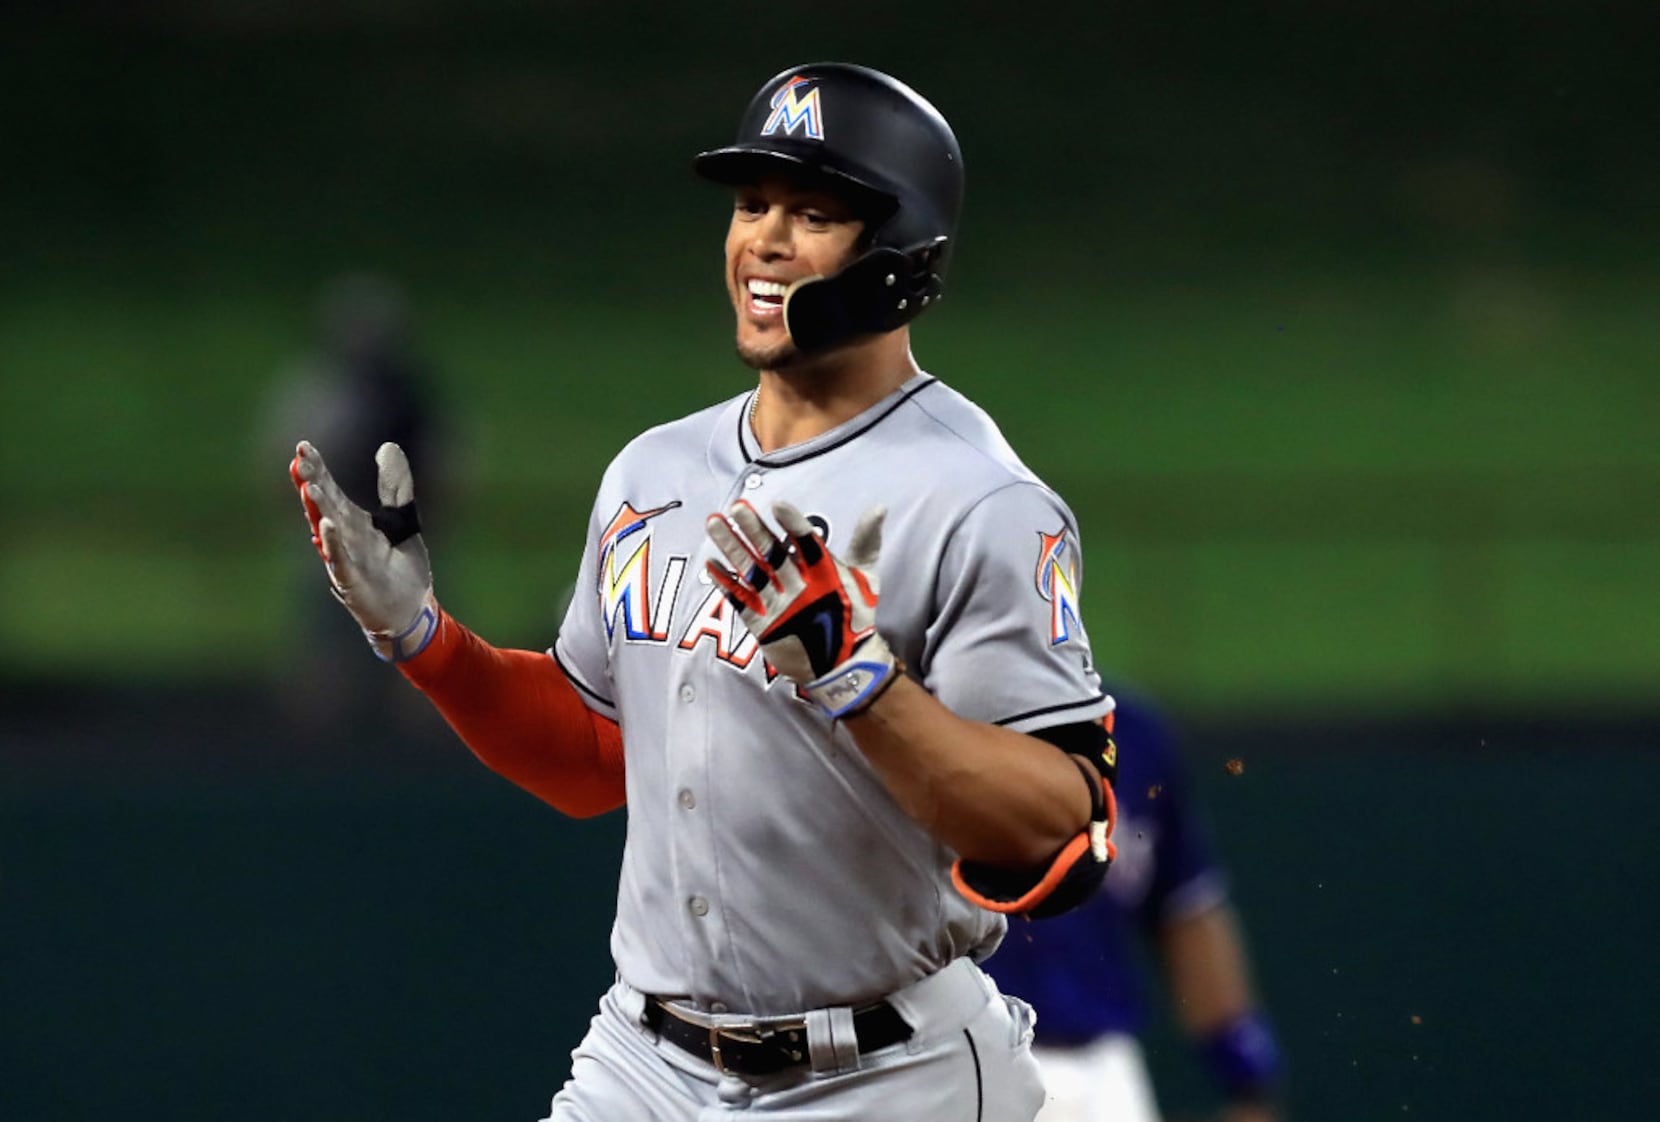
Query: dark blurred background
[[1336, 324]]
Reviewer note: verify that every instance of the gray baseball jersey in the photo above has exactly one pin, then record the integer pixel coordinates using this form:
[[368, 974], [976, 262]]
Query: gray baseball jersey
[[767, 869]]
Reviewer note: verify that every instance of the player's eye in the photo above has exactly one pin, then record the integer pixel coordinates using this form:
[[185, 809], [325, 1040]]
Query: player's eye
[[750, 207], [816, 220]]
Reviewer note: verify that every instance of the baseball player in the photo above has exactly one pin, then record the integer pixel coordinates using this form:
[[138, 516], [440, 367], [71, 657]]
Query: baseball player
[[1082, 974], [825, 646]]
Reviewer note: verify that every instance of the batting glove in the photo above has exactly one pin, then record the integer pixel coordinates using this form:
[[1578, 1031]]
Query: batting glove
[[377, 563], [815, 615]]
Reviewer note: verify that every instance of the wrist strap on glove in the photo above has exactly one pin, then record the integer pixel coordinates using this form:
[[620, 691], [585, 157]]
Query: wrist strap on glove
[[854, 686], [409, 642]]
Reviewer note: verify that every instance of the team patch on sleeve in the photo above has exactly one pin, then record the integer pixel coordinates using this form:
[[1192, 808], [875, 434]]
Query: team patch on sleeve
[[1057, 583]]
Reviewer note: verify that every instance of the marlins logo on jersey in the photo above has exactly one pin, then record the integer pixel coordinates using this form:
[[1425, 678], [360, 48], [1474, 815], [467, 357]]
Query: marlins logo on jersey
[[1057, 582], [794, 107], [624, 571]]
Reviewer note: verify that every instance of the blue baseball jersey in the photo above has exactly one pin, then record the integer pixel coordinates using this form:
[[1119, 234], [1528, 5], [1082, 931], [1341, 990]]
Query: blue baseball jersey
[[1082, 971]]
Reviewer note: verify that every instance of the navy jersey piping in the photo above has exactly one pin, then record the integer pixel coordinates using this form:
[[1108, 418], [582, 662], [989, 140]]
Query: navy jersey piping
[[577, 682], [743, 423], [769, 462], [1050, 709]]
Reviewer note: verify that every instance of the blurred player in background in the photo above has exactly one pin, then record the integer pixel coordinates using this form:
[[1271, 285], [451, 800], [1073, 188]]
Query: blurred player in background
[[1083, 971]]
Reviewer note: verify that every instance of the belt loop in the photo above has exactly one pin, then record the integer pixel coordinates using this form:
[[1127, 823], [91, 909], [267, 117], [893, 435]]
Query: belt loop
[[630, 1002], [832, 1044]]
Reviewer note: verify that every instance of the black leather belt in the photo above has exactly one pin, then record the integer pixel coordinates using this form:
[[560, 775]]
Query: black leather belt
[[764, 1049]]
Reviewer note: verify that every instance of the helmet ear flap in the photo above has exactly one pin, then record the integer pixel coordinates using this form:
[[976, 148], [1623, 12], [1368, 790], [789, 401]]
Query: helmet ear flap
[[881, 291]]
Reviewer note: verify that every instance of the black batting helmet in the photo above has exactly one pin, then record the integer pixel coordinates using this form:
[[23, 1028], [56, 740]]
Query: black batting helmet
[[871, 139]]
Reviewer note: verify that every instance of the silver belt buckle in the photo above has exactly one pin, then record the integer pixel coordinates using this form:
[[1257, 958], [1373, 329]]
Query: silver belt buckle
[[752, 1033], [747, 1034]]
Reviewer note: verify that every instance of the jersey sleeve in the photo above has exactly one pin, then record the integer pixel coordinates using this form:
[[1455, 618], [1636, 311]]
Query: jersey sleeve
[[1007, 644], [581, 649]]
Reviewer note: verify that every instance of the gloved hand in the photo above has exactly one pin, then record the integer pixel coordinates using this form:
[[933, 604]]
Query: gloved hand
[[377, 563], [814, 615]]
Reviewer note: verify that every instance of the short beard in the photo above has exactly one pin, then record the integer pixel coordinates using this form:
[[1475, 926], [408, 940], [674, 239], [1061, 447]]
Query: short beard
[[776, 356]]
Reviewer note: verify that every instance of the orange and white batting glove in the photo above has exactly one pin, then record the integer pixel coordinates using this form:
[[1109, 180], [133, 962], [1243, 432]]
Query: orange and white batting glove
[[814, 614], [377, 563]]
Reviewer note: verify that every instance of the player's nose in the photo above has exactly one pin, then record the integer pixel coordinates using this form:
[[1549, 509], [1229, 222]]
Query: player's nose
[[770, 237]]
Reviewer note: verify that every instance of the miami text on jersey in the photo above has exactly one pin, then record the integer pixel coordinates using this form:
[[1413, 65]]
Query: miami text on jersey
[[1057, 582], [628, 602]]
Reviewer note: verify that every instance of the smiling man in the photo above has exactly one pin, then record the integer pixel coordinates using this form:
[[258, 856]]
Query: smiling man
[[781, 233], [825, 647]]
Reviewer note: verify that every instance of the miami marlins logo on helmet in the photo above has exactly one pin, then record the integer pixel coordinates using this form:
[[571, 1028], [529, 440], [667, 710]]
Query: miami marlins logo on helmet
[[794, 108], [1057, 582]]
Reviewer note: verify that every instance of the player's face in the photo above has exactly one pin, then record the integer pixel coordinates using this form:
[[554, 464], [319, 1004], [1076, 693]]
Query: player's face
[[780, 233]]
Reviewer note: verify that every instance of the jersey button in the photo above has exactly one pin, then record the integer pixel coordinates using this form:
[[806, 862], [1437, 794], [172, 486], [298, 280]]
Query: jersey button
[[753, 483], [687, 694], [699, 906], [687, 800]]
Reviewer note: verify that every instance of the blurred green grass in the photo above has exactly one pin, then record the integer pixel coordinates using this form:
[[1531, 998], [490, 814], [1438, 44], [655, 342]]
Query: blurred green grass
[[1421, 487]]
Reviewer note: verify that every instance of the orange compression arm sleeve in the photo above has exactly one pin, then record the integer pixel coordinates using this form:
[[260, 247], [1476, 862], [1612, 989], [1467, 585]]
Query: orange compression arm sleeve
[[523, 718]]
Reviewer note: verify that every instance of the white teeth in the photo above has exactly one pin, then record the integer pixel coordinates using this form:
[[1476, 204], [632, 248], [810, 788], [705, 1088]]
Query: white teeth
[[766, 288]]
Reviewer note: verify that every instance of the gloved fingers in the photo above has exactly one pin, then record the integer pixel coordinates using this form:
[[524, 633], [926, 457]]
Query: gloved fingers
[[731, 544], [309, 471], [738, 593], [397, 519], [313, 517], [747, 545], [300, 469], [866, 544], [791, 519], [768, 548], [322, 500], [306, 463], [395, 481], [332, 546], [802, 537], [296, 468], [353, 522], [316, 483]]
